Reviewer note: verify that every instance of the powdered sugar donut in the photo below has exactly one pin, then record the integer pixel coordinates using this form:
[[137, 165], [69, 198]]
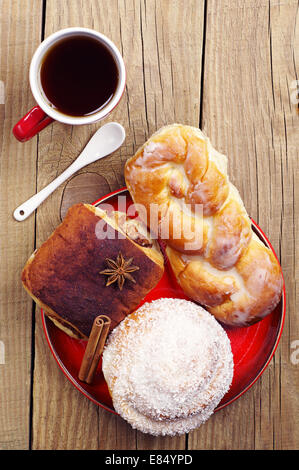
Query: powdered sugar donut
[[167, 366]]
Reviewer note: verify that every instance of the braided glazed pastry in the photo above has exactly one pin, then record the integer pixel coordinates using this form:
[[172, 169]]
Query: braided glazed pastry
[[218, 260]]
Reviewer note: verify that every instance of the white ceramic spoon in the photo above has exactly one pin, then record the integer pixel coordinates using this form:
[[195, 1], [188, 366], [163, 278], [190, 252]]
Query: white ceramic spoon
[[106, 140]]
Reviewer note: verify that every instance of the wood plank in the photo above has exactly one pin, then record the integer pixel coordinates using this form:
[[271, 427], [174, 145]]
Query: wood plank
[[251, 60], [59, 145], [284, 31], [19, 36], [172, 39], [163, 85]]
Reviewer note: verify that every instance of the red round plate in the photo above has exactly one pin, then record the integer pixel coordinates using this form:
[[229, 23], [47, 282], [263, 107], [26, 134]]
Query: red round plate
[[252, 347]]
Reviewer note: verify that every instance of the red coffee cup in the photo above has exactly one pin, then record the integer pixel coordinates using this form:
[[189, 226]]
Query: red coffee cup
[[44, 113]]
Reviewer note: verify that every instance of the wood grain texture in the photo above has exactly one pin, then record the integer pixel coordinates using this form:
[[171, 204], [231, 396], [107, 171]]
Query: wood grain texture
[[86, 186], [230, 66], [19, 36], [250, 63]]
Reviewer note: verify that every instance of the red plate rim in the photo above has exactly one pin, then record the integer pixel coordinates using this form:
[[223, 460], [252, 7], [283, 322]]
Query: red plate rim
[[111, 410]]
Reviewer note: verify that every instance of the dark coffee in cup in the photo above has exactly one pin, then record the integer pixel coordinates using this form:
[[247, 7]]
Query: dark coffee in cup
[[79, 75]]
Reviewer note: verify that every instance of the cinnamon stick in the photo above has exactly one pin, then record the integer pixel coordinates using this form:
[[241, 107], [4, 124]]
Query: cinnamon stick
[[94, 348]]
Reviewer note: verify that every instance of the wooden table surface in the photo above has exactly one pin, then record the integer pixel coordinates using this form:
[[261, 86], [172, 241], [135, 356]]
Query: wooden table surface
[[227, 66]]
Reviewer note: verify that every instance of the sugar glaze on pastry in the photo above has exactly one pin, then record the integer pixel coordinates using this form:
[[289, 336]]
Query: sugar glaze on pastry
[[167, 366], [231, 271]]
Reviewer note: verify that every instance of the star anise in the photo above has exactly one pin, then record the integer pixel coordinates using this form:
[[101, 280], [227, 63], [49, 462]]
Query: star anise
[[119, 270]]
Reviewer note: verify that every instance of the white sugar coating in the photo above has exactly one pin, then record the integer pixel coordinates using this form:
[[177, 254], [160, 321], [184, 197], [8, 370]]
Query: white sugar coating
[[168, 366]]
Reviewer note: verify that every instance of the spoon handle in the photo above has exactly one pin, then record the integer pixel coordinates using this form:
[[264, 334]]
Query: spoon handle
[[106, 140], [24, 210]]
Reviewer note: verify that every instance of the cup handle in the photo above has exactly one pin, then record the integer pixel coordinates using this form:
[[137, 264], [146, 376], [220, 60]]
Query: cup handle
[[33, 122]]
